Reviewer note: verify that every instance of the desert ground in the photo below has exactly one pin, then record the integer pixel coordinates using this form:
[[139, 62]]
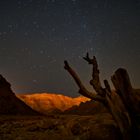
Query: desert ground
[[58, 127]]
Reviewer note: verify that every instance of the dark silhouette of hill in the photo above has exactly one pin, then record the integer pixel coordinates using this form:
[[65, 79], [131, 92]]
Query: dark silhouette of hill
[[9, 103], [87, 108], [93, 107]]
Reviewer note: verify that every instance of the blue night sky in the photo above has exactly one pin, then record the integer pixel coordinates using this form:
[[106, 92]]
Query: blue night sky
[[36, 36]]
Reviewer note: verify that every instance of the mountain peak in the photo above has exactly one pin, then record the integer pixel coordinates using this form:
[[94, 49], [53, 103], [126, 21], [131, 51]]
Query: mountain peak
[[48, 102], [9, 103]]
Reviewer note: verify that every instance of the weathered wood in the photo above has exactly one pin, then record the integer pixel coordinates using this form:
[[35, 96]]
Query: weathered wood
[[82, 88], [120, 115], [95, 81], [122, 84], [124, 89], [122, 104], [120, 119]]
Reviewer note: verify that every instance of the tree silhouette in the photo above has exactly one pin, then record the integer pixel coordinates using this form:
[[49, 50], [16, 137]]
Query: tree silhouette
[[122, 103]]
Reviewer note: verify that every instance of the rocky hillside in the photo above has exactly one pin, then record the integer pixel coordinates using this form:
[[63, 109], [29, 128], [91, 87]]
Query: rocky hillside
[[56, 103], [87, 108], [9, 103], [49, 102]]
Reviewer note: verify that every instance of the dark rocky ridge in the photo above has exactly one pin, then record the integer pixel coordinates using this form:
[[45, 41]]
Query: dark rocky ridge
[[9, 103], [87, 108], [93, 107]]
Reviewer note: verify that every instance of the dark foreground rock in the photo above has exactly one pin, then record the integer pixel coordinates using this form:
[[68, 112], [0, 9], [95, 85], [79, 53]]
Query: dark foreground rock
[[9, 103]]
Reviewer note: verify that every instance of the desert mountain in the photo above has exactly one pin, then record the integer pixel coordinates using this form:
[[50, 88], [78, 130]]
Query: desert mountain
[[87, 108], [94, 107], [9, 103], [49, 102]]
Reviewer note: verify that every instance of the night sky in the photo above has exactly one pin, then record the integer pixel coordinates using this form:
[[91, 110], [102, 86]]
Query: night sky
[[36, 36]]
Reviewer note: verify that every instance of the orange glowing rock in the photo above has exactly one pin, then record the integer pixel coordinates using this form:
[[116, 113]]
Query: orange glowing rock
[[47, 102]]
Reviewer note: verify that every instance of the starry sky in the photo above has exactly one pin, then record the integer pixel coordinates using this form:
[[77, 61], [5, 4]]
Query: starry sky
[[36, 36]]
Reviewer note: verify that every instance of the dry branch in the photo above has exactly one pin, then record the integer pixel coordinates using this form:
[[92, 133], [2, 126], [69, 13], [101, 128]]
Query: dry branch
[[82, 88], [95, 82]]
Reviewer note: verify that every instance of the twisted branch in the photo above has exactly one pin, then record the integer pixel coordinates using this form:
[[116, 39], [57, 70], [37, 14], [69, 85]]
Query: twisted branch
[[82, 88], [95, 82]]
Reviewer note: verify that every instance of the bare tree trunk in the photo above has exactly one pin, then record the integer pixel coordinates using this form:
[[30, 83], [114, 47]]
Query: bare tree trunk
[[124, 89], [124, 107]]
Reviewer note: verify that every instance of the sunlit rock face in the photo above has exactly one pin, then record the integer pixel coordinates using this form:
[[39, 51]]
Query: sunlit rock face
[[9, 103], [49, 102]]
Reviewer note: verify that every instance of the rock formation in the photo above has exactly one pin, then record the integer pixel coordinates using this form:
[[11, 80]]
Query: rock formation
[[87, 108], [50, 102], [9, 103]]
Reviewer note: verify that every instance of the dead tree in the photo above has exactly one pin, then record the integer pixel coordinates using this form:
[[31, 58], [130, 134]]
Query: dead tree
[[122, 103]]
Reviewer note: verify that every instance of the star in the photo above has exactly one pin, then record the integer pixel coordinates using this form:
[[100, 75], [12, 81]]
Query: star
[[41, 51], [36, 36], [35, 81]]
